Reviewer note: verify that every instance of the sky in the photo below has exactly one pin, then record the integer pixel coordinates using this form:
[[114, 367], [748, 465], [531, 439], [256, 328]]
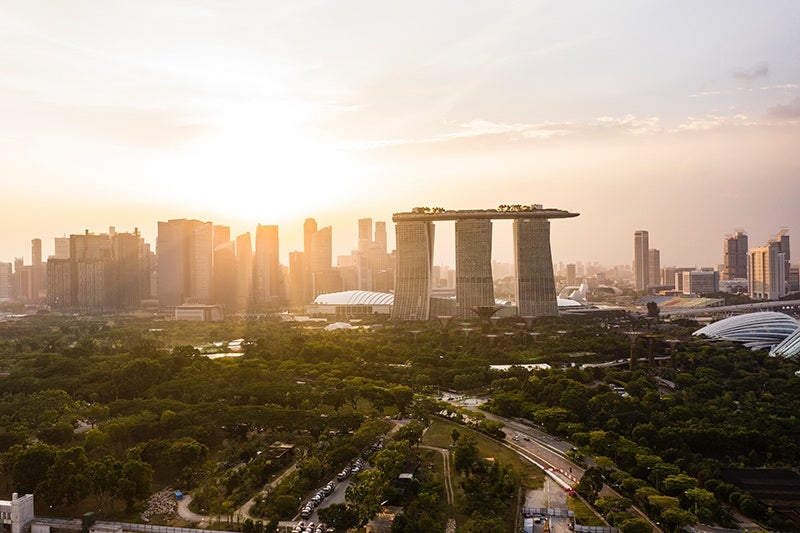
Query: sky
[[678, 117]]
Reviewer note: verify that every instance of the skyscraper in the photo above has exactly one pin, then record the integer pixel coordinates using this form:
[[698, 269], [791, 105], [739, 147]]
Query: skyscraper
[[309, 230], [413, 282], [37, 270], [767, 279], [364, 233], [6, 281], [201, 260], [474, 284], [244, 270], [654, 266], [535, 287], [224, 280], [267, 266], [126, 282], [571, 278], [735, 256], [178, 250], [641, 259]]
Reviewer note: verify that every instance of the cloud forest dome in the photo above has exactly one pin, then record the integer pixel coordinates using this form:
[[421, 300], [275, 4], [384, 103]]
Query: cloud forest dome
[[762, 330]]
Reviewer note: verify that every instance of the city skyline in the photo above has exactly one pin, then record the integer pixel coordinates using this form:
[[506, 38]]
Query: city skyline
[[675, 117], [444, 250]]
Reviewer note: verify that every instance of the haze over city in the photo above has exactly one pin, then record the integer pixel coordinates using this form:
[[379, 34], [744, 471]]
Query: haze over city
[[679, 118]]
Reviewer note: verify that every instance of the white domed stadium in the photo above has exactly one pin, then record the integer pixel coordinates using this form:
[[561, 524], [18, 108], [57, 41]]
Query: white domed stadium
[[758, 331]]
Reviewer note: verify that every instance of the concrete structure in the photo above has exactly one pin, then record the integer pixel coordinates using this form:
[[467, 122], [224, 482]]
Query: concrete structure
[[474, 284], [535, 283], [641, 259], [735, 256], [17, 513]]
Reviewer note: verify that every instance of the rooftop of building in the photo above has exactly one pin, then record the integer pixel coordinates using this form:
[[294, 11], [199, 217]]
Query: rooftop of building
[[502, 212]]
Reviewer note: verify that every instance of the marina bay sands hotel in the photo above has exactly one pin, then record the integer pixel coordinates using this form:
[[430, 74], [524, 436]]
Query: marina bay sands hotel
[[533, 263]]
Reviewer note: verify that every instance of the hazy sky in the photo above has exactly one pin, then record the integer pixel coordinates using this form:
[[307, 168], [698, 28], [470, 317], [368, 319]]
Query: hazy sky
[[679, 117]]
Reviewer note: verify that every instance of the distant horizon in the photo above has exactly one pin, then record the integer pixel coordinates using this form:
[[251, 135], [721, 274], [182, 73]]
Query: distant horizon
[[345, 241]]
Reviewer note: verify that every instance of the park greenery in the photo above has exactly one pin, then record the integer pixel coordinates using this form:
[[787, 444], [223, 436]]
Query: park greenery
[[99, 412]]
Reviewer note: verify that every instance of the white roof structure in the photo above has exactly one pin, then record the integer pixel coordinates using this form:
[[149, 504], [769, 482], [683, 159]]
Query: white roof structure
[[355, 298], [757, 331], [789, 347]]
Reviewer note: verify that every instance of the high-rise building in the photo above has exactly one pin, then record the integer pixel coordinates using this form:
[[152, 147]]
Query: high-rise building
[[244, 270], [321, 262], [536, 287], [309, 230], [413, 281], [767, 273], [91, 264], [61, 248], [59, 283], [267, 269], [641, 259], [704, 281], [364, 233], [297, 276], [201, 260], [654, 266], [6, 281], [129, 274], [782, 238], [571, 278], [222, 235], [474, 284], [224, 283], [735, 256], [380, 237], [178, 251]]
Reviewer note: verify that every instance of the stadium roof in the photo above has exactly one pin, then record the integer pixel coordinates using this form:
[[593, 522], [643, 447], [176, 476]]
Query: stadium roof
[[355, 298], [766, 329], [789, 347]]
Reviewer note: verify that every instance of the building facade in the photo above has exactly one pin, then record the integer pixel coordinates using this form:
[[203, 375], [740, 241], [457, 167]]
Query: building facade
[[474, 283], [735, 256], [641, 259]]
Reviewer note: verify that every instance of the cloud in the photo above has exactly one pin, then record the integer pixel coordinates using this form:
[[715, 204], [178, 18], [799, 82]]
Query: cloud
[[712, 122], [487, 130], [790, 111], [759, 71]]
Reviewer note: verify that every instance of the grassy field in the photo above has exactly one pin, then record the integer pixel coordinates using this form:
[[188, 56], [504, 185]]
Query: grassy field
[[583, 514], [438, 434]]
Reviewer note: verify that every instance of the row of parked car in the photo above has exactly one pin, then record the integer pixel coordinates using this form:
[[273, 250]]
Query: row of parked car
[[315, 500], [302, 527], [346, 472]]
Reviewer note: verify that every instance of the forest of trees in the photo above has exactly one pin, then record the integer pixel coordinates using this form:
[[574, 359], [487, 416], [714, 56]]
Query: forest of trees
[[125, 406]]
